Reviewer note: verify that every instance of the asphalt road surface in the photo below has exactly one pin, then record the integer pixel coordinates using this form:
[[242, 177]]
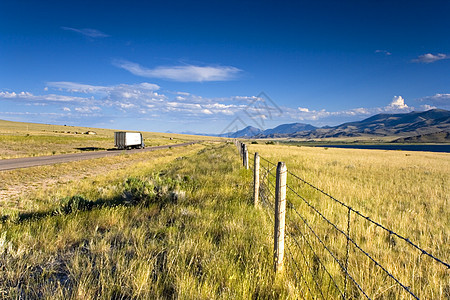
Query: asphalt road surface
[[26, 162]]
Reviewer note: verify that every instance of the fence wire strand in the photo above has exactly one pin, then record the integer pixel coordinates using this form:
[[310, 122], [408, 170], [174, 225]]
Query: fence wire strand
[[372, 221], [265, 193], [330, 252], [306, 262], [301, 274], [312, 250], [354, 243]]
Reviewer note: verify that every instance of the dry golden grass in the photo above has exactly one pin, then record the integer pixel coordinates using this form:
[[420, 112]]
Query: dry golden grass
[[408, 192], [36, 188], [30, 139], [131, 238], [125, 235]]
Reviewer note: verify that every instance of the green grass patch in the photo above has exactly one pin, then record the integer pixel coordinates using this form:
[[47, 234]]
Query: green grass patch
[[186, 231]]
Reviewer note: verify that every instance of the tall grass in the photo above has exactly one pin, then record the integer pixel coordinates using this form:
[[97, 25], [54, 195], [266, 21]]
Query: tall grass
[[183, 226], [186, 230], [39, 188], [407, 192]]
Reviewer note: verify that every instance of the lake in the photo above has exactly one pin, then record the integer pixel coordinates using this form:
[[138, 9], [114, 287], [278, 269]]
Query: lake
[[403, 147]]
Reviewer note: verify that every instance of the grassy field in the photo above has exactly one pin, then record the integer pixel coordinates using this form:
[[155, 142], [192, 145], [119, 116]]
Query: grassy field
[[179, 223], [408, 192], [30, 139]]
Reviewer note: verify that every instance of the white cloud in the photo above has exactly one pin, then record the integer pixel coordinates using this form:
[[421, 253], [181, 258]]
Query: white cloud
[[384, 52], [87, 109], [128, 100], [438, 100], [75, 87], [15, 95], [43, 98], [127, 105], [87, 88], [142, 101], [207, 111], [249, 99], [147, 86], [27, 113], [430, 58], [398, 103], [125, 101], [359, 111], [427, 107], [89, 32], [188, 73]]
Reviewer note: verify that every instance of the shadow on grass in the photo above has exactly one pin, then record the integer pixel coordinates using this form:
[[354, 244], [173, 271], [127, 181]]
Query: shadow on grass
[[91, 149], [136, 192]]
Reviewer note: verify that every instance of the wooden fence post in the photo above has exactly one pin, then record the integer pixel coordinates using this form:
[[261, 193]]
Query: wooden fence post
[[280, 216], [256, 180], [245, 160]]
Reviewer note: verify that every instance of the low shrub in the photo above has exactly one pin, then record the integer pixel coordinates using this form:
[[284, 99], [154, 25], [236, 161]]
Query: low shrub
[[73, 204]]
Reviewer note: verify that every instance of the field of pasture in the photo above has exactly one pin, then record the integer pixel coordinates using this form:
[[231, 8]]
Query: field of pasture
[[180, 223], [407, 192], [30, 139], [175, 223]]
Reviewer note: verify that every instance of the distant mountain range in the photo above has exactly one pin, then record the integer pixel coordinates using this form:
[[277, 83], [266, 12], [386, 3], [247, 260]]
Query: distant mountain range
[[402, 125], [285, 129]]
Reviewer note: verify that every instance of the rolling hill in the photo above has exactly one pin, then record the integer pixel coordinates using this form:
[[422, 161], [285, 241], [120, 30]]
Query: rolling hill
[[409, 124], [402, 125], [437, 137]]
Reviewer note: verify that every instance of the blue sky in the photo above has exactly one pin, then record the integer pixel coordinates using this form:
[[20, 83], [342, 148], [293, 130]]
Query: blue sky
[[209, 66]]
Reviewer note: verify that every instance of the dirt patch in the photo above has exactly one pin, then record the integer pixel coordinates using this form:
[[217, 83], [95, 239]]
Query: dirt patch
[[13, 194]]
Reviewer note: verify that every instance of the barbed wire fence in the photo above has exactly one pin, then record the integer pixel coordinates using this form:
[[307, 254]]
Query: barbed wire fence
[[323, 262]]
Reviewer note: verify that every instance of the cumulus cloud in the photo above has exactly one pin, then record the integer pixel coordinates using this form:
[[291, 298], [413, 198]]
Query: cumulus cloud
[[398, 103], [430, 58], [188, 73], [88, 32], [438, 100], [129, 99], [145, 100]]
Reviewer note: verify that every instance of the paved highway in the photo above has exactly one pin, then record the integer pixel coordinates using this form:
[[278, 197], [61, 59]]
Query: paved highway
[[26, 162]]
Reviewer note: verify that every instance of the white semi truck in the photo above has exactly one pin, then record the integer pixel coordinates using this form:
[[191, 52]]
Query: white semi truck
[[128, 140]]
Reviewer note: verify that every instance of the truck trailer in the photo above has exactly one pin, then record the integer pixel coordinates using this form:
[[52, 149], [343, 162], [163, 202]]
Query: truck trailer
[[128, 140]]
